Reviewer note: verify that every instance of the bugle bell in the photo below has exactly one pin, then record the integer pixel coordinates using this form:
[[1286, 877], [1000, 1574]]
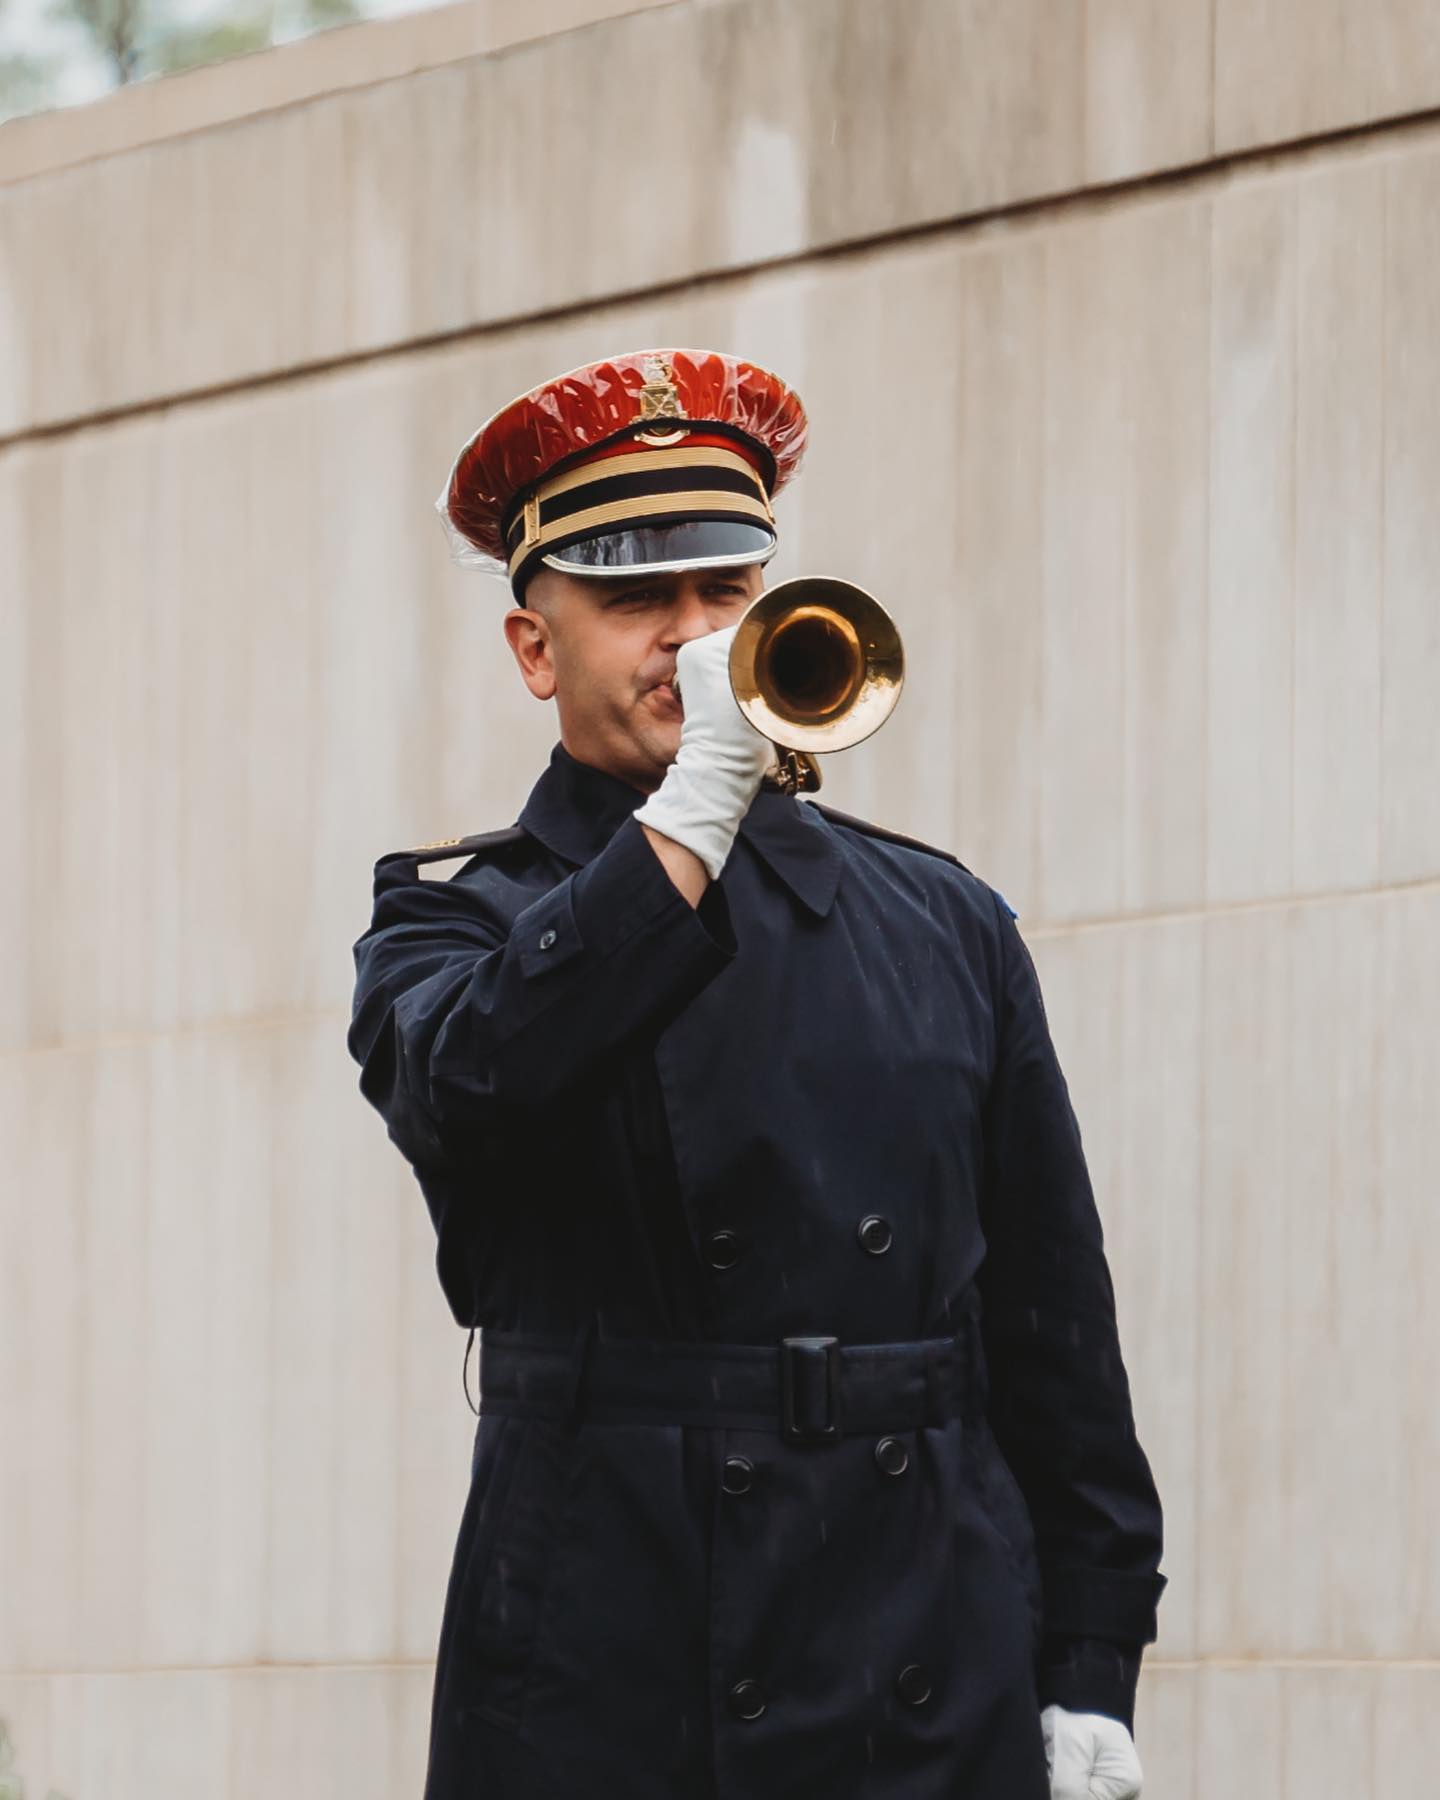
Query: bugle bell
[[816, 665]]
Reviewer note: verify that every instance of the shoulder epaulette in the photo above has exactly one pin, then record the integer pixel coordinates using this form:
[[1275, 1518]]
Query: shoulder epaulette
[[444, 848], [871, 829]]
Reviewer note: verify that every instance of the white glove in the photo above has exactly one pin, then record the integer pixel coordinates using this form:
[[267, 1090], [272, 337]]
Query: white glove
[[717, 772], [1089, 1757]]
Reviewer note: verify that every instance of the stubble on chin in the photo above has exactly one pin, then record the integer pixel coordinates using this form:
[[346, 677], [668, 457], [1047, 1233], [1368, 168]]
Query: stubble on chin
[[660, 746], [663, 747]]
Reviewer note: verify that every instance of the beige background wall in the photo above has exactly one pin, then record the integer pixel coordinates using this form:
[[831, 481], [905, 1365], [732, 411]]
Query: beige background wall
[[1125, 399]]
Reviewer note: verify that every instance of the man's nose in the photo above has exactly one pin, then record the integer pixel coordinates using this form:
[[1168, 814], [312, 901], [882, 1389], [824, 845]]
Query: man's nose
[[688, 618]]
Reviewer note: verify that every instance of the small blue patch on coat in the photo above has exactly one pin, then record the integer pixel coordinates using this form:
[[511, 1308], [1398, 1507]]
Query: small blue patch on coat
[[1006, 904]]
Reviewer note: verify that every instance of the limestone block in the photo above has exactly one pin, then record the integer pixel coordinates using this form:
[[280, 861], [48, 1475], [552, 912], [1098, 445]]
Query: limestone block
[[1147, 86], [1163, 260], [1250, 664], [1246, 1553], [25, 1733], [1000, 548], [103, 686], [41, 1563], [1239, 1743], [1290, 69], [1350, 1363], [1407, 1135], [1407, 1729], [14, 323], [1410, 739], [1339, 475], [998, 88], [235, 1395], [1085, 481], [360, 1733], [140, 1737], [1125, 357], [1316, 1171], [1124, 1005], [16, 796], [225, 1733], [1165, 1710], [1329, 1731]]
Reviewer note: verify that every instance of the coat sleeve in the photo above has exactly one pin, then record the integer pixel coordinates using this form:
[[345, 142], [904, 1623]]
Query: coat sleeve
[[1059, 1397], [461, 1013]]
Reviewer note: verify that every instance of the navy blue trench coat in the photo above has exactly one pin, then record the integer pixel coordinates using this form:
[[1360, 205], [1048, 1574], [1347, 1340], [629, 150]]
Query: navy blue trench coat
[[805, 1463]]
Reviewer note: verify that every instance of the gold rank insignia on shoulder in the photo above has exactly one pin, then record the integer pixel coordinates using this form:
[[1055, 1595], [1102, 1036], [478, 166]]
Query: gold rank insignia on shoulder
[[476, 842]]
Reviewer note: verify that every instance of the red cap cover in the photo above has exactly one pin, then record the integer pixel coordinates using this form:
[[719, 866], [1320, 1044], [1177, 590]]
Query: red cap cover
[[646, 395]]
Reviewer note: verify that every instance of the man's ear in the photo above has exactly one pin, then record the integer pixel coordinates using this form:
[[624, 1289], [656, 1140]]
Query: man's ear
[[528, 636]]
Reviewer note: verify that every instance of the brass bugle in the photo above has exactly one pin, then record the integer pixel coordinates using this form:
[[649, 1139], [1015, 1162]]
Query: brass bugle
[[816, 665]]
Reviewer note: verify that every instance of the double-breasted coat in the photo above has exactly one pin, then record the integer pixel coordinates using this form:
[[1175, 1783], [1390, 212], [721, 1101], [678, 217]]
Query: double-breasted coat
[[806, 1462]]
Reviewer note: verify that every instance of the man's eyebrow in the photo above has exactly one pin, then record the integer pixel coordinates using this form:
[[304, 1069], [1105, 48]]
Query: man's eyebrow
[[608, 586]]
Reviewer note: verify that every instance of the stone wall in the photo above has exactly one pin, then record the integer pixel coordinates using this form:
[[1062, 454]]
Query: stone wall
[[1117, 327]]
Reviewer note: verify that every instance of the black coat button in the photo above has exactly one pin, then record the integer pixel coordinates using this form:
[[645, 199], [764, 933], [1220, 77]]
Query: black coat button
[[747, 1700], [547, 940], [723, 1249], [875, 1234], [913, 1685], [892, 1456], [738, 1475]]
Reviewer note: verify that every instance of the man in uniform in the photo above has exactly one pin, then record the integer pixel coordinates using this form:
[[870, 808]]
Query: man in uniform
[[805, 1466]]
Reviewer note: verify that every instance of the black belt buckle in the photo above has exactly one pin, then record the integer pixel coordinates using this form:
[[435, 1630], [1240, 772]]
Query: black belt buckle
[[809, 1390]]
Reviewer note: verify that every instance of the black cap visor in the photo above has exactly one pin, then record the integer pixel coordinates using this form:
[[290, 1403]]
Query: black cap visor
[[666, 548]]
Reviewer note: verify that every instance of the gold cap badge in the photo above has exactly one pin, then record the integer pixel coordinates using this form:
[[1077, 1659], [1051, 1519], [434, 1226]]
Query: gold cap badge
[[659, 399]]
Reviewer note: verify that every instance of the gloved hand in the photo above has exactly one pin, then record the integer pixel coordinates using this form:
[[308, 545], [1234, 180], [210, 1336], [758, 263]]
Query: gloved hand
[[1089, 1757], [708, 788]]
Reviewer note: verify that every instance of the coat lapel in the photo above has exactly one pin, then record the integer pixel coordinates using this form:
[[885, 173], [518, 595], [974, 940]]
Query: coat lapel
[[798, 845], [574, 810]]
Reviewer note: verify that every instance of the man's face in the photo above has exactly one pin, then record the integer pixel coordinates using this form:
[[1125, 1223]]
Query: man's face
[[605, 649]]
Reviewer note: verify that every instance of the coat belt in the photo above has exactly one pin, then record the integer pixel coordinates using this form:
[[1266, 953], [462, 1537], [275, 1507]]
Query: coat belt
[[810, 1389]]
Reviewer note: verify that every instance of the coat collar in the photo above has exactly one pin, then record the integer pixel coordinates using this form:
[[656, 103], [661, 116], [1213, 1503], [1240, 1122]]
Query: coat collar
[[574, 810]]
